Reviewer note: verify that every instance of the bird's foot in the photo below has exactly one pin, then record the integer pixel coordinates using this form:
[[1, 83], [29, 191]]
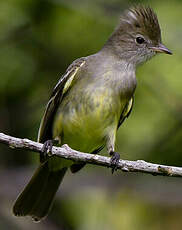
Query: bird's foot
[[47, 149], [114, 160]]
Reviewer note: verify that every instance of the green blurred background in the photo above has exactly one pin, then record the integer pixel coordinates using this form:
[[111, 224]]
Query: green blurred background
[[38, 40]]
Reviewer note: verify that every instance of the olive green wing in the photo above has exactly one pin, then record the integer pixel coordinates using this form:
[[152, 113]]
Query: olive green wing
[[63, 85], [126, 111]]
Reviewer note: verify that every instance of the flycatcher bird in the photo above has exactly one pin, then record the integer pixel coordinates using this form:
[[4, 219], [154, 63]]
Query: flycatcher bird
[[89, 104]]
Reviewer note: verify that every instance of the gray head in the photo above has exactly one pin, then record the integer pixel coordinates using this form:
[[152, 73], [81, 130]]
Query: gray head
[[138, 36]]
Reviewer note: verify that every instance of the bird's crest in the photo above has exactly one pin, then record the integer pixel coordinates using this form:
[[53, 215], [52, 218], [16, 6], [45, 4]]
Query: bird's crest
[[144, 20]]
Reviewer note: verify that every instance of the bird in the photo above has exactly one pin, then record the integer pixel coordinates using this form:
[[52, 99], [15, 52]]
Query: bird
[[89, 103]]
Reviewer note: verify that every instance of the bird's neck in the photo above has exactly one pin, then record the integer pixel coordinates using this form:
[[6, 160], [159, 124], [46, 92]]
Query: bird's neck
[[117, 47], [113, 56]]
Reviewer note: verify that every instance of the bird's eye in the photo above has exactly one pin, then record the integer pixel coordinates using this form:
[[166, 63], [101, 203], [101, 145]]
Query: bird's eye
[[140, 40]]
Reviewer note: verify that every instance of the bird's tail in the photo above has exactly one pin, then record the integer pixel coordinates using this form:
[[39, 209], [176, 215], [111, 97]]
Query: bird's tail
[[37, 196]]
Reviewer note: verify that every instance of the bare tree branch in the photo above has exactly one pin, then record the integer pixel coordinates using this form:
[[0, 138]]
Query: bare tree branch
[[66, 152]]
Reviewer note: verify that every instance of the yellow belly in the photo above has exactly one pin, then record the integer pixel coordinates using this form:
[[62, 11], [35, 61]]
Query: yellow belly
[[84, 125]]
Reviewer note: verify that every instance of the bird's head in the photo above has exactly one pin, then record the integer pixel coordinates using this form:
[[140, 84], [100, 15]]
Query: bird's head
[[138, 36]]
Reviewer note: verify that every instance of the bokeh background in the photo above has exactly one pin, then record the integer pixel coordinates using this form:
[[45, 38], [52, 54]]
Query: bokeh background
[[38, 40]]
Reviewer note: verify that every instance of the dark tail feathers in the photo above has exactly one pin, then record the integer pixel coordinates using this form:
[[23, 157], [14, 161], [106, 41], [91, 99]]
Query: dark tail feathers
[[37, 197]]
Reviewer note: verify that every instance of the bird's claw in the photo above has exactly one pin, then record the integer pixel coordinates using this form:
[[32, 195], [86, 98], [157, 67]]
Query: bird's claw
[[46, 149], [114, 161]]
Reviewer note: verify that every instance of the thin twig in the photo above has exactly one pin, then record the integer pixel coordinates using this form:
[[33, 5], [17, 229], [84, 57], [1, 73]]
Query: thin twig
[[66, 152]]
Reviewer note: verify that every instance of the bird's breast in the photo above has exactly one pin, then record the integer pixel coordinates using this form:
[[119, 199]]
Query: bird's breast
[[91, 109], [83, 121]]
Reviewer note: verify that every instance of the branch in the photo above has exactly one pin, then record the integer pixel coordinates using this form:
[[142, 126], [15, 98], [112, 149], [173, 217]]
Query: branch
[[66, 152]]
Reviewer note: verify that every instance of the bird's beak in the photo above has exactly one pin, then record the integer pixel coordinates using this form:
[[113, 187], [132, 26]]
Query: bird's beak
[[161, 49]]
